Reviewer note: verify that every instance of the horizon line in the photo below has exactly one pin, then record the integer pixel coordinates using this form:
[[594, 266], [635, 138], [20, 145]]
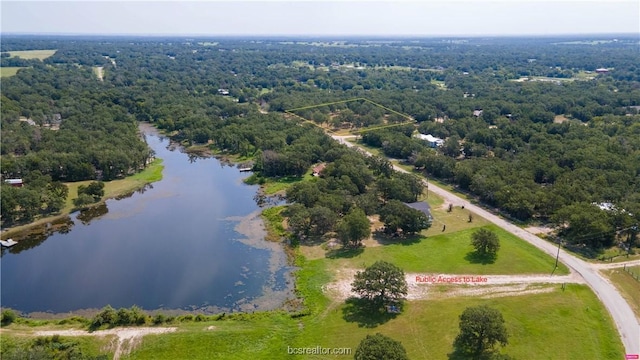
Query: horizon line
[[628, 34]]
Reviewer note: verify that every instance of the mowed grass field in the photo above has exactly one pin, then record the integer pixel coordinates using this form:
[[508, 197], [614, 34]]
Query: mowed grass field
[[7, 71], [628, 286], [452, 254], [32, 54], [569, 324]]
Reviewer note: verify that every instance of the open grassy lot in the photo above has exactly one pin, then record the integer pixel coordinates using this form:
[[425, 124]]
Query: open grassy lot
[[451, 253], [265, 337], [557, 325], [32, 54], [628, 286], [568, 324], [7, 71]]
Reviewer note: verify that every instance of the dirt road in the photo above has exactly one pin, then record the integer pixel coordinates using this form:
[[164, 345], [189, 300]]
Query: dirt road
[[620, 311], [423, 286]]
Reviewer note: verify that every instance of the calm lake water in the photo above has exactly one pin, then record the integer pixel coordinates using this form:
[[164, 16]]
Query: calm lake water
[[193, 241]]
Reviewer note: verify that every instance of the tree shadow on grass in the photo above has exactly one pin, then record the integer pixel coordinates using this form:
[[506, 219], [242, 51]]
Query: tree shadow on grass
[[386, 239], [366, 313], [345, 252], [476, 257], [459, 354]]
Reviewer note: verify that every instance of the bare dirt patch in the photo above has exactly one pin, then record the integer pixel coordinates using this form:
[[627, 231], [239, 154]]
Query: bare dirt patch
[[125, 340], [559, 119], [437, 286], [99, 72], [617, 265], [539, 229]]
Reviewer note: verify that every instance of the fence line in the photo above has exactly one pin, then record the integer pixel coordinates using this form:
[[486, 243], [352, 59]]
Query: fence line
[[633, 274]]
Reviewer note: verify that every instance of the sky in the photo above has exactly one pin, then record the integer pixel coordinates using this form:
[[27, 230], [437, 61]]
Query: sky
[[321, 18]]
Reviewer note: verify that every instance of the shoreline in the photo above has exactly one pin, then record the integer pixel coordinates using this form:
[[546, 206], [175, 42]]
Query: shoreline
[[137, 180], [136, 184]]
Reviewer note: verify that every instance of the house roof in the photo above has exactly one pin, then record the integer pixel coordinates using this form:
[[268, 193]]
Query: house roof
[[429, 138], [421, 206], [318, 168], [13, 181]]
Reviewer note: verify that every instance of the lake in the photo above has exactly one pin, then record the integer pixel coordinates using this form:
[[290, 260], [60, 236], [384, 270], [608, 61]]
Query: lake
[[193, 241]]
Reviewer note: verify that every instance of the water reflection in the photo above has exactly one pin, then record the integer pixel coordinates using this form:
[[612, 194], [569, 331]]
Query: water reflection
[[91, 213], [173, 245], [38, 234], [263, 200]]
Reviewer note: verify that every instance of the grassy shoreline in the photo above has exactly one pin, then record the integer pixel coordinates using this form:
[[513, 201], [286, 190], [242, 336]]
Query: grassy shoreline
[[113, 189], [550, 323]]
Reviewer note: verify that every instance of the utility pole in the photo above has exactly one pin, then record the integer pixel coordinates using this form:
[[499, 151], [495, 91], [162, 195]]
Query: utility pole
[[557, 256]]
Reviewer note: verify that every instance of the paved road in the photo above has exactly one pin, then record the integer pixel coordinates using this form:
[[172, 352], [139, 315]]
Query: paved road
[[624, 318]]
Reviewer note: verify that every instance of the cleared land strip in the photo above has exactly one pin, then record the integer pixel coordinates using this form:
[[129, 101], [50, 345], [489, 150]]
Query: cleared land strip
[[617, 265], [620, 311], [423, 286]]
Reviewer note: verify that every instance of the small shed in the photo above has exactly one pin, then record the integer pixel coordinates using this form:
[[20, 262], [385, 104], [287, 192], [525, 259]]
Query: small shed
[[15, 182]]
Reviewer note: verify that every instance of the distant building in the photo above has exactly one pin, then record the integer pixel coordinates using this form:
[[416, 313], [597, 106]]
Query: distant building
[[223, 92], [318, 169], [28, 121], [432, 140], [477, 113], [602, 71], [15, 182]]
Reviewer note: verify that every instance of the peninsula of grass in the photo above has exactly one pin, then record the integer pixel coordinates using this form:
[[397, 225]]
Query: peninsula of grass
[[112, 189], [452, 253], [116, 188], [32, 54], [273, 223], [271, 186]]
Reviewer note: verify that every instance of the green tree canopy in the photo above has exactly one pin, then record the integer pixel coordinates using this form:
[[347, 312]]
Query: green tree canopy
[[485, 242], [354, 227], [396, 215], [381, 283], [481, 329], [378, 346]]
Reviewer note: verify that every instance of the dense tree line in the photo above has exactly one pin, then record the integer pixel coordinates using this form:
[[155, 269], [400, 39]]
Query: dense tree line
[[514, 156]]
